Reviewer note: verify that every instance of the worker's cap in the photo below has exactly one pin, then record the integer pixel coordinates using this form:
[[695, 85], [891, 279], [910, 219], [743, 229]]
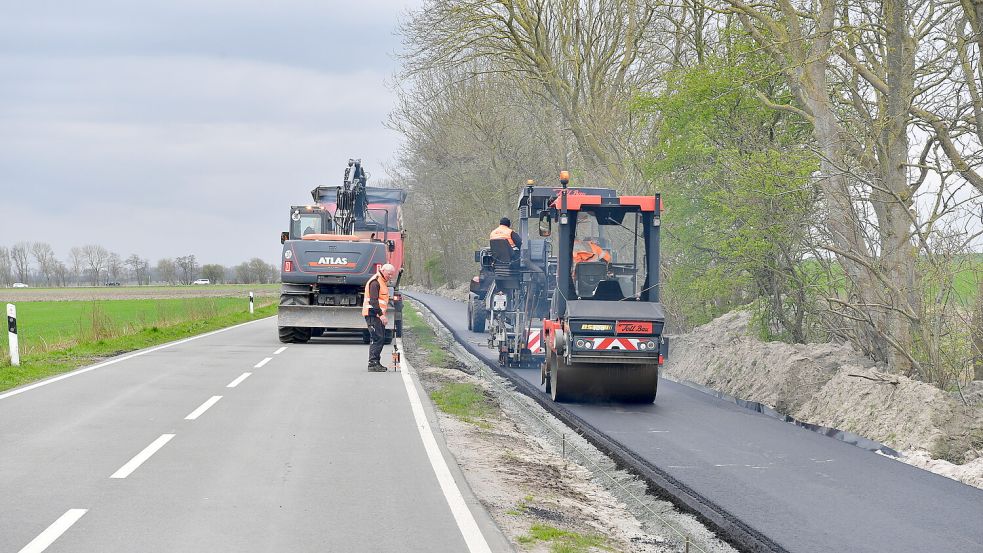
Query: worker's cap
[[387, 271], [506, 221]]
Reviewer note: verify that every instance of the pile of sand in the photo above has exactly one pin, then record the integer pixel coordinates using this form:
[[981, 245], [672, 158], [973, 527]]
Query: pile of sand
[[832, 385]]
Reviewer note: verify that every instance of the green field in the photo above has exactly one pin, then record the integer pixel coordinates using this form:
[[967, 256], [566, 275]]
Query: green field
[[88, 293], [57, 336]]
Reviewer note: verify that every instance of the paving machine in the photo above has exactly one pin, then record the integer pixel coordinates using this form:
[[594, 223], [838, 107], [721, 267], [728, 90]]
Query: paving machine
[[332, 249], [604, 332], [512, 292]]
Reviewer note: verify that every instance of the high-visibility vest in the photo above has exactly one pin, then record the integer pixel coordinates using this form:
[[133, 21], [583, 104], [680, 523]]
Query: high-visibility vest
[[502, 233], [587, 250], [383, 295]]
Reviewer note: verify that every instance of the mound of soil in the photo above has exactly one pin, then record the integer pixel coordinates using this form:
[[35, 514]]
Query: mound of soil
[[832, 385]]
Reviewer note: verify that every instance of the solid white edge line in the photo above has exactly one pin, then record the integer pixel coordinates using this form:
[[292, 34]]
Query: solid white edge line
[[142, 457], [462, 514], [53, 532], [84, 370], [202, 408], [279, 351], [263, 362], [238, 380]]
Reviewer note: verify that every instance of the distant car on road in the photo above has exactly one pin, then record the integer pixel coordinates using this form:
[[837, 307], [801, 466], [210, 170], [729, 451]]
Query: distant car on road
[[112, 283], [20, 285], [202, 281]]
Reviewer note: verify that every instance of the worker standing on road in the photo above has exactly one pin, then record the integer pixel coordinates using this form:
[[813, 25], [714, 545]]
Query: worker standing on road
[[504, 232], [374, 310]]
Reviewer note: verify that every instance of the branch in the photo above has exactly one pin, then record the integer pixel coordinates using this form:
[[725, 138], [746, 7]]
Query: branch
[[784, 107]]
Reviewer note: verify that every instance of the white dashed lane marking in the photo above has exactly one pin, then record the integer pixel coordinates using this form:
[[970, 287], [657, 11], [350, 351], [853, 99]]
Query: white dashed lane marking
[[54, 531], [238, 380], [263, 362], [142, 457], [202, 408], [279, 351]]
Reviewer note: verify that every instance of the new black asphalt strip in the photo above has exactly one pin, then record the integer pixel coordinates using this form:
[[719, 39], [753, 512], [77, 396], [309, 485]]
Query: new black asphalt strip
[[806, 492], [309, 452]]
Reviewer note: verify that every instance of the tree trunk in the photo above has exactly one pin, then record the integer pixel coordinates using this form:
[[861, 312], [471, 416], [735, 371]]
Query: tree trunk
[[977, 332]]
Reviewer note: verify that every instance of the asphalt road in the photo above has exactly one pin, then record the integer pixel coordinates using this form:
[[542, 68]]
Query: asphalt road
[[309, 452], [807, 492]]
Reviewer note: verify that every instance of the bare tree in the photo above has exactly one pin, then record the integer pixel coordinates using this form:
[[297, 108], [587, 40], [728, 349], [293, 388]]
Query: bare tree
[[6, 273], [167, 270], [95, 258], [22, 267], [76, 263], [188, 266], [114, 267], [584, 58], [60, 273], [213, 272], [243, 273], [44, 256], [260, 270], [139, 269]]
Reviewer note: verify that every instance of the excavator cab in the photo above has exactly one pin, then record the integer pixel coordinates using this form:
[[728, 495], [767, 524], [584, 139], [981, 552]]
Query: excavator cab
[[308, 219]]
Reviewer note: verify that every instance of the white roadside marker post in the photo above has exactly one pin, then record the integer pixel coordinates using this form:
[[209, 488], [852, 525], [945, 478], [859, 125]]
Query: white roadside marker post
[[251, 311], [12, 335]]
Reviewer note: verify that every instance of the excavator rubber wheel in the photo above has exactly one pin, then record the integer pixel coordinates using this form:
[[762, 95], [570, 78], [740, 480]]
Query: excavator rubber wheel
[[615, 382], [290, 334], [302, 335]]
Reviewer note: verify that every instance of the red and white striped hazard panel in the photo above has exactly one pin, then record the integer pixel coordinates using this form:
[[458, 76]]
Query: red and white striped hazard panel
[[630, 344], [534, 341]]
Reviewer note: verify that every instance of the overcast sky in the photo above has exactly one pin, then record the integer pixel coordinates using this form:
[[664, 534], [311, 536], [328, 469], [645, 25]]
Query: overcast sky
[[186, 126]]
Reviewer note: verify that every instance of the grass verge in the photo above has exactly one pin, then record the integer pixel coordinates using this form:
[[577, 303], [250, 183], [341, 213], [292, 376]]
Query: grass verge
[[425, 337], [564, 541], [39, 365], [464, 401]]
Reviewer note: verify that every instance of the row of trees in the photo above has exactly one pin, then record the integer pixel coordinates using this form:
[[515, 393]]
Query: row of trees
[[820, 161], [36, 263]]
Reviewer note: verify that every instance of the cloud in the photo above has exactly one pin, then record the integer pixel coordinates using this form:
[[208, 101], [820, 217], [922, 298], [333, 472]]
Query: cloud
[[190, 128]]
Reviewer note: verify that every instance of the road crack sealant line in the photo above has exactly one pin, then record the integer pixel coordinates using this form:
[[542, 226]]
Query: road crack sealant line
[[661, 484]]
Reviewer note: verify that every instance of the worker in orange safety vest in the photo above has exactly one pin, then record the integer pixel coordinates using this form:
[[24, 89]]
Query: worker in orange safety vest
[[588, 250], [504, 232], [374, 308]]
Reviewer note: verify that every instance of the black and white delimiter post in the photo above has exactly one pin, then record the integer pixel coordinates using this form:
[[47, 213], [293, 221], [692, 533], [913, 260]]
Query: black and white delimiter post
[[12, 334], [250, 303]]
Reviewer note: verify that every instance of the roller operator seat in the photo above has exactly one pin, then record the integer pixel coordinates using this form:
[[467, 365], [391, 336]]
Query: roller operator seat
[[506, 264]]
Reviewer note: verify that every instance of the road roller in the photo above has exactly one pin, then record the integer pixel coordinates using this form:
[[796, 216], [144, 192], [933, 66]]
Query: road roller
[[603, 337]]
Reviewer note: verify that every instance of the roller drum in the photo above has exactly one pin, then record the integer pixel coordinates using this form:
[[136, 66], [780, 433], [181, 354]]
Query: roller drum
[[627, 383]]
